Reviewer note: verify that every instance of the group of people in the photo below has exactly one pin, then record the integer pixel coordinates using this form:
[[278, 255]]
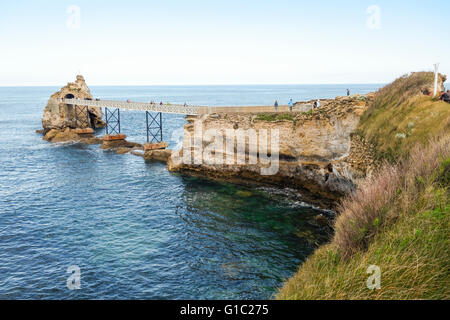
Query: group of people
[[316, 104], [153, 102]]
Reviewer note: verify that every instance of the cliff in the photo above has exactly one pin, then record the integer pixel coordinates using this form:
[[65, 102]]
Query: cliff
[[317, 151], [396, 222]]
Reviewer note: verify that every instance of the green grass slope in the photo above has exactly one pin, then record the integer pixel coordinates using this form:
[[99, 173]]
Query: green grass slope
[[397, 220], [402, 116]]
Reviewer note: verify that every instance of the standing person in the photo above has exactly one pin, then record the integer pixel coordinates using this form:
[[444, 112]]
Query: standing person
[[291, 105], [276, 105], [317, 103], [348, 92]]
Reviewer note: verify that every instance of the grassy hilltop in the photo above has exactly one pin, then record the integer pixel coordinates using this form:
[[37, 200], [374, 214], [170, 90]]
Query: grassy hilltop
[[398, 219]]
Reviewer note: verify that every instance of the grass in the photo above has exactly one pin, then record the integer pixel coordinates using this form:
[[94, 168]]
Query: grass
[[403, 231], [271, 117], [398, 219], [402, 116]]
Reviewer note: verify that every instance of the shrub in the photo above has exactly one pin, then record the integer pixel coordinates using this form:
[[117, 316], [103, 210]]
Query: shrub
[[372, 207], [274, 117]]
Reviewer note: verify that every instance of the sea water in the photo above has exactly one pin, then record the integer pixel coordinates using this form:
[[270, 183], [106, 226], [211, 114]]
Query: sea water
[[135, 230]]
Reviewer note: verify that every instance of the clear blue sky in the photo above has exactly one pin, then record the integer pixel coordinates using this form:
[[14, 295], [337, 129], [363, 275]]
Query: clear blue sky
[[220, 42]]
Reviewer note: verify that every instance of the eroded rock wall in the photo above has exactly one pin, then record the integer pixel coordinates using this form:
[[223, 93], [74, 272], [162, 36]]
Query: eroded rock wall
[[315, 148]]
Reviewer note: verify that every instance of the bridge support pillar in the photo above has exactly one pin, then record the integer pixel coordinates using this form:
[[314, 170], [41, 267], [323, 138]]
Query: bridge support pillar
[[154, 127], [82, 119], [154, 132], [112, 119]]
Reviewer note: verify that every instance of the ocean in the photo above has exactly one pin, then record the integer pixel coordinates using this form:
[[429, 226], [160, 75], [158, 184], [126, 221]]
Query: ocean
[[133, 229]]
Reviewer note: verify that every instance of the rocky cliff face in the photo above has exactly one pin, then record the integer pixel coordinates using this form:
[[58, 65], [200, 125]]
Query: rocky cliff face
[[58, 115], [316, 148]]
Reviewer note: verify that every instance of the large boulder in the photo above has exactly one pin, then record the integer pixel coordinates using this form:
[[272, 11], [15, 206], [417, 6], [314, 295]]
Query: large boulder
[[58, 115], [70, 135]]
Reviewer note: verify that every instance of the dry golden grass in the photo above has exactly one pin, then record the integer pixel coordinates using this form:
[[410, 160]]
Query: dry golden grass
[[401, 116], [379, 201]]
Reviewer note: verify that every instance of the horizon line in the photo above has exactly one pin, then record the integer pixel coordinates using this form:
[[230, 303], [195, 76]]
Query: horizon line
[[197, 85]]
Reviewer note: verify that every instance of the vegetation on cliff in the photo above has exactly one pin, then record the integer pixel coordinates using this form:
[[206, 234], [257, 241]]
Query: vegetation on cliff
[[401, 116], [398, 219], [274, 117]]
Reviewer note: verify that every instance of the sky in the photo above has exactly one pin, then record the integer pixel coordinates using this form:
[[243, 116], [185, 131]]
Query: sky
[[200, 42]]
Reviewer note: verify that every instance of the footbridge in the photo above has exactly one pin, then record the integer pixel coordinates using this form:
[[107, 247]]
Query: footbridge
[[140, 106], [153, 114]]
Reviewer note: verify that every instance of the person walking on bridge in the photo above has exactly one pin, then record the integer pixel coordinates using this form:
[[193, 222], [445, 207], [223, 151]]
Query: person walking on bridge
[[291, 105], [276, 105]]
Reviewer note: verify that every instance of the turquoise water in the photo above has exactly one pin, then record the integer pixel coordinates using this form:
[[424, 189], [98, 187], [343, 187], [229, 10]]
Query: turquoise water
[[135, 230]]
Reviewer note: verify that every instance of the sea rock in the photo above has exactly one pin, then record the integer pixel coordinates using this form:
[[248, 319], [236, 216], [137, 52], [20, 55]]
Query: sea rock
[[156, 146], [120, 144], [137, 152], [123, 150], [58, 115], [162, 155], [92, 140], [70, 135], [66, 136]]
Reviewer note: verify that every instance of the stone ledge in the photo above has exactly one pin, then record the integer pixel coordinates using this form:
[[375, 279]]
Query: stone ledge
[[114, 137], [84, 130], [156, 146]]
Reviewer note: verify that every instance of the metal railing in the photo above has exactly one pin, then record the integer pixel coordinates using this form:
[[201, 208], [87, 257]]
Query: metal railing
[[141, 106], [172, 108]]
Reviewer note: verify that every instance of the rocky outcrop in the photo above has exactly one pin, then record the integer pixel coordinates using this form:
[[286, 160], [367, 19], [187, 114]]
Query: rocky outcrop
[[70, 135], [162, 155], [315, 148], [121, 146], [59, 116]]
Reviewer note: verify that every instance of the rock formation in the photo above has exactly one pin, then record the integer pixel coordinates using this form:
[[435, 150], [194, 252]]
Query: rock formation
[[162, 155], [71, 135], [59, 116], [315, 148], [121, 146]]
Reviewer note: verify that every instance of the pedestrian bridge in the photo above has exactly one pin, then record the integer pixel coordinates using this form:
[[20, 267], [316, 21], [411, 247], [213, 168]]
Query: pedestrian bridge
[[153, 113], [169, 108], [138, 106]]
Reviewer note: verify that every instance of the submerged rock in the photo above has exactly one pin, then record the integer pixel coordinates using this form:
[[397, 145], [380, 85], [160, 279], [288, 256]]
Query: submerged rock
[[120, 145], [123, 150]]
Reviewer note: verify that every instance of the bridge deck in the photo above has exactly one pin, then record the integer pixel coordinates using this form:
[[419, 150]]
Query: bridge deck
[[169, 108]]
